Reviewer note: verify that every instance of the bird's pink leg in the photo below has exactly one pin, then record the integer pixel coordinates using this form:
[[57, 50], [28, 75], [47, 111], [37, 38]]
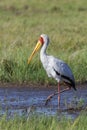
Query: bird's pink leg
[[58, 94], [51, 96]]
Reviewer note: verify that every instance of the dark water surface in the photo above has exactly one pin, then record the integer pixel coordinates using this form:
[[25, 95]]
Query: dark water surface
[[20, 100]]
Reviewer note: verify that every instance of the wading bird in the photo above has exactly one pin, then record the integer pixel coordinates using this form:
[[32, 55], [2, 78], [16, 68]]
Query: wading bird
[[54, 67]]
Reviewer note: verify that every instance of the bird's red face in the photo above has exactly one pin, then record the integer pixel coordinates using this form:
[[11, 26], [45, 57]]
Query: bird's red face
[[37, 47], [41, 40]]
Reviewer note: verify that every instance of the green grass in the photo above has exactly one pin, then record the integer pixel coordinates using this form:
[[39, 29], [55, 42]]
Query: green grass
[[22, 22], [43, 122]]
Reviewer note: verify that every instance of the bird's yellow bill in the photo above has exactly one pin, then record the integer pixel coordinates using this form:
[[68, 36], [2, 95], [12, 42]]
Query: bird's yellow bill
[[37, 47]]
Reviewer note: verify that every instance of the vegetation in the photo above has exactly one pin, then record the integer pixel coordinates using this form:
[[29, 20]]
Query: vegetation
[[21, 23], [43, 122]]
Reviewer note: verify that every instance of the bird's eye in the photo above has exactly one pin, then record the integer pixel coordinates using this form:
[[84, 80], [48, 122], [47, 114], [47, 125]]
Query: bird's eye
[[41, 40]]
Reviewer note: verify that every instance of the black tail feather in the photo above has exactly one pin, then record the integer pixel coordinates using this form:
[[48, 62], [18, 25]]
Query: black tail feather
[[71, 83]]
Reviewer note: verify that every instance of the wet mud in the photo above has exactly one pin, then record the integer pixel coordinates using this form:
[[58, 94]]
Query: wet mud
[[20, 100]]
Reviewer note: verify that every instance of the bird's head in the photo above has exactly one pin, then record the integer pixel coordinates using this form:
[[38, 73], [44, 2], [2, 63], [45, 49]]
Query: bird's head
[[44, 39]]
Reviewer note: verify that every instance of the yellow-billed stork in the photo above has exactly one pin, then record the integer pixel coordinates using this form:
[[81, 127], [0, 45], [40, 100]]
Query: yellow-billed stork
[[54, 67]]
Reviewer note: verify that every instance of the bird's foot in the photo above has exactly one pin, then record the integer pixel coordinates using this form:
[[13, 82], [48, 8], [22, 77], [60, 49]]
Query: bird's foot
[[48, 99]]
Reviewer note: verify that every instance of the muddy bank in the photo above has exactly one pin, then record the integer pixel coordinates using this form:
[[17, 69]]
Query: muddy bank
[[37, 85]]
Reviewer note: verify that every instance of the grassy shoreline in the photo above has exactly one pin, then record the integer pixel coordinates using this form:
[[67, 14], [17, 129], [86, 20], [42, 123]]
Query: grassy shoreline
[[43, 122]]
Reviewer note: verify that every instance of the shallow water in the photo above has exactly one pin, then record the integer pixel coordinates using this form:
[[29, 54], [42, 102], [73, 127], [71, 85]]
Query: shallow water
[[20, 100]]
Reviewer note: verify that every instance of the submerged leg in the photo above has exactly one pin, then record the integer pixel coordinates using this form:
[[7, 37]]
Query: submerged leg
[[51, 96]]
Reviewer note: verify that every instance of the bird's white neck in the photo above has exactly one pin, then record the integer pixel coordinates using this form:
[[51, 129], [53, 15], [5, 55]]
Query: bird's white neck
[[43, 54], [43, 49]]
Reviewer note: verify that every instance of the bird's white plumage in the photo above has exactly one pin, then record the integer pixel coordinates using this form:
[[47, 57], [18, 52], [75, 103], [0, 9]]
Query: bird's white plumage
[[53, 65]]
